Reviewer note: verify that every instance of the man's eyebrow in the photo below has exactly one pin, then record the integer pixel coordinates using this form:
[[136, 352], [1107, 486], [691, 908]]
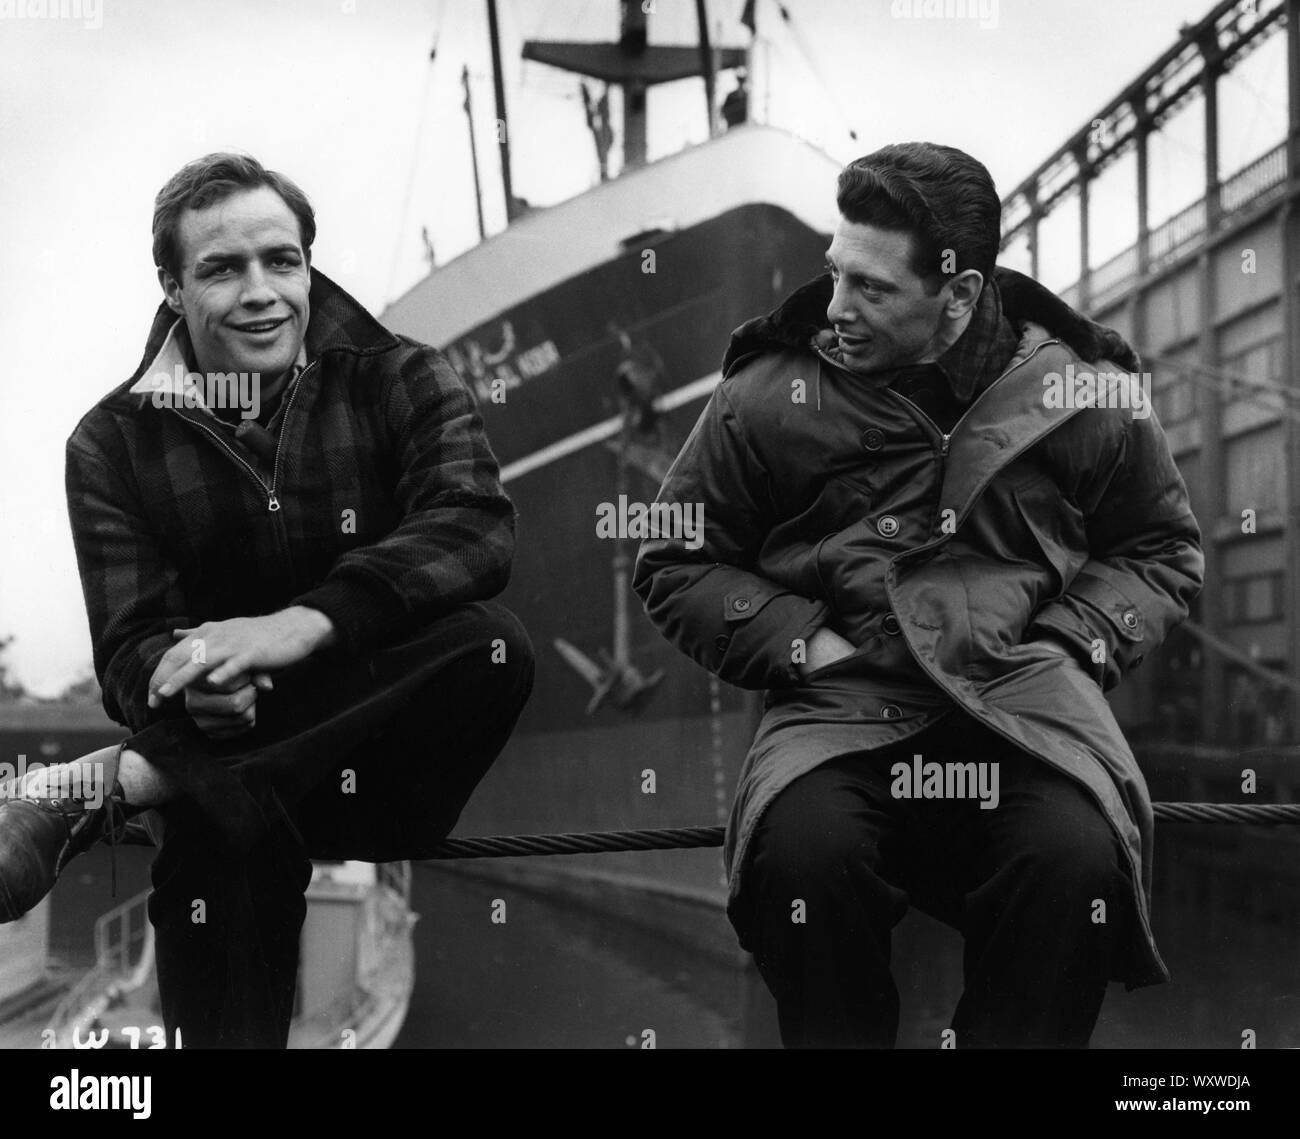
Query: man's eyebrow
[[882, 283], [220, 257]]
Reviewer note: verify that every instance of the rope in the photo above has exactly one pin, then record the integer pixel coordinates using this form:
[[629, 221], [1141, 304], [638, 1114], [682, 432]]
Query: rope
[[681, 838]]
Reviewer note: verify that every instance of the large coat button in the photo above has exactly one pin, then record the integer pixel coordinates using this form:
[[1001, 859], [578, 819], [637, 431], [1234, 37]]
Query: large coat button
[[873, 439], [1130, 619], [891, 712], [741, 605], [720, 642], [891, 625], [887, 524]]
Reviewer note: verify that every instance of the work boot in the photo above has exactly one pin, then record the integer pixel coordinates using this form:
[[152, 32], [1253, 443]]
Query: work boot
[[39, 836]]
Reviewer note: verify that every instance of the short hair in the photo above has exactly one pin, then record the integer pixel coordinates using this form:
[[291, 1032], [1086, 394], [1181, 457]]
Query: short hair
[[211, 179], [940, 195]]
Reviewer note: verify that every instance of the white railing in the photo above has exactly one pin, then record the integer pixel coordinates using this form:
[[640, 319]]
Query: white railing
[[1253, 181]]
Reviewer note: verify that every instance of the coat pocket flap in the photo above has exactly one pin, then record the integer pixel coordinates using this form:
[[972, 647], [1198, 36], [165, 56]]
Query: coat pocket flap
[[741, 604]]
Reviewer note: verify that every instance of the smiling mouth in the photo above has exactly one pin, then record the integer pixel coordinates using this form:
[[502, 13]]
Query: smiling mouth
[[260, 326]]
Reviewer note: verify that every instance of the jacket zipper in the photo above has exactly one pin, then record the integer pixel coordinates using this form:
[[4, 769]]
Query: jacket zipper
[[273, 504], [945, 437], [272, 501], [229, 450]]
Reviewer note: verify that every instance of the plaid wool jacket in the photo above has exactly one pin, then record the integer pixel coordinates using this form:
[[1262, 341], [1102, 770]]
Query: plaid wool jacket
[[382, 506]]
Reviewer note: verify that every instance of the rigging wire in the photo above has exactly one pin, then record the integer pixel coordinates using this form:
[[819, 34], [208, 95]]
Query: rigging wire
[[421, 119], [818, 73]]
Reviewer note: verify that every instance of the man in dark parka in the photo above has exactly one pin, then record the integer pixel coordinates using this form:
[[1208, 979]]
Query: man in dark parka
[[940, 521]]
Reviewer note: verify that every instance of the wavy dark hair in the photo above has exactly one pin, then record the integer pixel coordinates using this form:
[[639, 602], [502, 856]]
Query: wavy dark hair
[[211, 179], [940, 195]]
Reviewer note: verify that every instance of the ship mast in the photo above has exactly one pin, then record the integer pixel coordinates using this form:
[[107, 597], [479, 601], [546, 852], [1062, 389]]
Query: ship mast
[[636, 65], [706, 63], [503, 132], [473, 152]]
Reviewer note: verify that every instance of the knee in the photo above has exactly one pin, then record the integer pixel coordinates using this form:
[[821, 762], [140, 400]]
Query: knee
[[809, 872], [799, 849], [479, 652], [1077, 856], [787, 855], [506, 636], [503, 672], [494, 643]]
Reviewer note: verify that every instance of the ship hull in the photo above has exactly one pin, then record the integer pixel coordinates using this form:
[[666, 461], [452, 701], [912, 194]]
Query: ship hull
[[667, 300]]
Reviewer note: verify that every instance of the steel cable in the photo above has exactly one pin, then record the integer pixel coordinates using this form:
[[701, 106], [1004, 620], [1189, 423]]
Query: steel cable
[[683, 838]]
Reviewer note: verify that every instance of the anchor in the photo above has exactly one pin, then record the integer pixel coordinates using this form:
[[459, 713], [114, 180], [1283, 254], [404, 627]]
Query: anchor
[[616, 678]]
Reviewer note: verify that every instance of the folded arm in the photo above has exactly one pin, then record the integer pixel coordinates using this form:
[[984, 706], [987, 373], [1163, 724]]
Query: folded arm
[[1145, 564], [708, 601], [455, 541]]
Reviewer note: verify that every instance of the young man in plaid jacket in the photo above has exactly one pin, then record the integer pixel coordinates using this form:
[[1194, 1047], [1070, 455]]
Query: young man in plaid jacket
[[288, 522]]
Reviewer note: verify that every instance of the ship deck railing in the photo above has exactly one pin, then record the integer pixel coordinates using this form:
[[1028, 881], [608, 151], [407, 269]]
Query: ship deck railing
[[123, 959]]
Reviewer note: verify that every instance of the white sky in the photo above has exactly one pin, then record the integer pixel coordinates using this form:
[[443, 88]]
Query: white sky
[[339, 95]]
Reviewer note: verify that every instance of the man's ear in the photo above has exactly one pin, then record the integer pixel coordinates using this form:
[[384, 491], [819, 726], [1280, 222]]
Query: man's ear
[[965, 293], [171, 291]]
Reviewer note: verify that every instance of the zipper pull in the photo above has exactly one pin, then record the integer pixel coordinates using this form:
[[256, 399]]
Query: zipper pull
[[943, 445], [273, 504]]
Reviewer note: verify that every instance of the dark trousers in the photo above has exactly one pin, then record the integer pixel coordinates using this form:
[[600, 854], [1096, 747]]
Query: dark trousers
[[370, 758], [1020, 882]]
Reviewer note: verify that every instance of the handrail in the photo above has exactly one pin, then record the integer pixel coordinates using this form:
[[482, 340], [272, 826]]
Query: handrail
[[1164, 241]]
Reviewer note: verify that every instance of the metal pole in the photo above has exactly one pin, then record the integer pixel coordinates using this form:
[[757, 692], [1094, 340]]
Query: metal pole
[[706, 61], [498, 86], [1031, 196], [632, 39], [1084, 300], [1291, 356], [621, 559], [1210, 92], [1143, 192], [473, 153]]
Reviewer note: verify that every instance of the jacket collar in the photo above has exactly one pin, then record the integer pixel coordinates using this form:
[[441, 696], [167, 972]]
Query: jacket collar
[[170, 372], [981, 352], [338, 323], [800, 320], [972, 362]]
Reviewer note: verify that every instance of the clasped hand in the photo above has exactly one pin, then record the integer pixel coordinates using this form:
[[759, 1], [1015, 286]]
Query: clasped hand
[[222, 665]]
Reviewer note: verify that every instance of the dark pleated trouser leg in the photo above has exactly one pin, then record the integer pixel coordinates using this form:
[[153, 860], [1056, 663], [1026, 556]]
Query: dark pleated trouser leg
[[371, 759], [1021, 881]]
